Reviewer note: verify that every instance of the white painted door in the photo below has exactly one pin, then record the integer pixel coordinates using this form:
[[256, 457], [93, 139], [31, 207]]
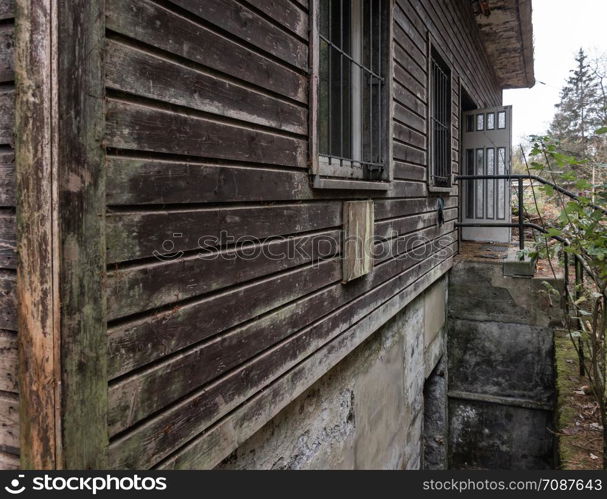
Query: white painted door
[[487, 149]]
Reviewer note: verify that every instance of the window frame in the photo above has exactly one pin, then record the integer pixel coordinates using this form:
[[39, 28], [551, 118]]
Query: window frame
[[329, 177], [451, 189]]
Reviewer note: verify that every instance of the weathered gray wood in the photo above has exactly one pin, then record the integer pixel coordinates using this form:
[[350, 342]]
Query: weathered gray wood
[[145, 234], [203, 407], [7, 116], [8, 363], [7, 52], [81, 199], [137, 127], [9, 422], [286, 14], [9, 461], [409, 118], [246, 25], [132, 181], [8, 300], [144, 393], [150, 338], [7, 179], [159, 27], [218, 442], [140, 73], [7, 9], [8, 256], [357, 257], [136, 289]]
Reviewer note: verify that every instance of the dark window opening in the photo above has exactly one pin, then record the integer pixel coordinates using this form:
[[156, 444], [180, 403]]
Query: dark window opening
[[440, 114], [351, 109]]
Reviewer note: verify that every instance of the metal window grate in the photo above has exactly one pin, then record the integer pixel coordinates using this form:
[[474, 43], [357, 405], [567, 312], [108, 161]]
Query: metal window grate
[[351, 85], [441, 122]]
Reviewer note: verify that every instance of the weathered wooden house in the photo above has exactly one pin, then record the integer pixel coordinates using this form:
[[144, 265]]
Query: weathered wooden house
[[227, 225]]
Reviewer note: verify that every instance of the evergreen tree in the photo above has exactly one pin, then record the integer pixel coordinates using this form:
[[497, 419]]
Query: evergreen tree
[[578, 112]]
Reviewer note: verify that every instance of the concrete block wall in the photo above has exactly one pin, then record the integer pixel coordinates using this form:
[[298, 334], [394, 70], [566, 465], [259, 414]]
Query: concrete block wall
[[368, 411], [501, 368]]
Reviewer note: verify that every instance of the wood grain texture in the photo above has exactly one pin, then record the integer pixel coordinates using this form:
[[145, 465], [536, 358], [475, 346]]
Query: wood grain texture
[[81, 198], [9, 423], [357, 258], [244, 24], [134, 18], [143, 128], [38, 332], [7, 9], [140, 73], [7, 52], [146, 234]]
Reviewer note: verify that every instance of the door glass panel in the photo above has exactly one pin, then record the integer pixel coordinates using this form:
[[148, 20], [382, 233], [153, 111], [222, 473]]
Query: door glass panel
[[480, 167], [470, 183], [490, 182], [501, 186], [490, 121], [501, 120]]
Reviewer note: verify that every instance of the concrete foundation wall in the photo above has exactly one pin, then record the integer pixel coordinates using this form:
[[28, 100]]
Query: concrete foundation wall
[[367, 412], [501, 368]]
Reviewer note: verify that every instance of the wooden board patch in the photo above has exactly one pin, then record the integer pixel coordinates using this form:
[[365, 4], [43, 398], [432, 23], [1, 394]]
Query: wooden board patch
[[358, 239]]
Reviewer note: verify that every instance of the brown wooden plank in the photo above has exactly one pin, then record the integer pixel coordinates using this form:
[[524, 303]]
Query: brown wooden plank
[[7, 52], [409, 118], [243, 23], [162, 334], [409, 154], [285, 13], [141, 394], [409, 136], [7, 116], [148, 443], [407, 62], [9, 461], [8, 300], [8, 362], [136, 289], [7, 179], [81, 198], [8, 257], [403, 96], [212, 446], [145, 234], [132, 181], [357, 257], [38, 335], [178, 35], [409, 83], [9, 422], [406, 171], [137, 127], [144, 340], [7, 9], [140, 73]]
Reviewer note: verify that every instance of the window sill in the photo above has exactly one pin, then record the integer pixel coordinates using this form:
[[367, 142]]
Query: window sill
[[358, 185], [450, 191]]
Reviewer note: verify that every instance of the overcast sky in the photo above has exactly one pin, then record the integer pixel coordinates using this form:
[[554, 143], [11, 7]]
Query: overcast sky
[[560, 27]]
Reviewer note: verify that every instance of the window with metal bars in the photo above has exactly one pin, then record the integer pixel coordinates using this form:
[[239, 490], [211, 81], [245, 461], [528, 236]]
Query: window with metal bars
[[440, 121], [352, 120]]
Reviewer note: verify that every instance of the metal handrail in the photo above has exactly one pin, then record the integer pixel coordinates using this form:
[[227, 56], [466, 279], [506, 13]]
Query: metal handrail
[[580, 265]]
